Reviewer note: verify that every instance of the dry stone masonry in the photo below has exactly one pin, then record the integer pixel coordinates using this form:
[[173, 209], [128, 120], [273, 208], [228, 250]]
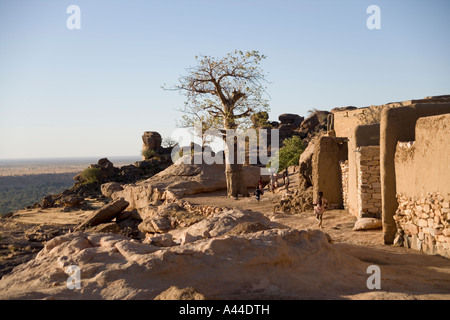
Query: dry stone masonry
[[344, 176], [369, 185], [423, 223]]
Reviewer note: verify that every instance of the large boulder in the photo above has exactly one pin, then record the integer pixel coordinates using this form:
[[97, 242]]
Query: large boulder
[[152, 140], [292, 119], [312, 125], [104, 214], [109, 188]]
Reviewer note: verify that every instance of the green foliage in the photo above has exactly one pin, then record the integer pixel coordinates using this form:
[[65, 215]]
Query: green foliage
[[289, 154], [18, 197], [91, 175], [148, 153], [261, 119]]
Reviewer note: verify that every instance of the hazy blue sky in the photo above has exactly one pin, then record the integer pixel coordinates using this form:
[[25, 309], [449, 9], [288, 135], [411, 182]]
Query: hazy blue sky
[[94, 91]]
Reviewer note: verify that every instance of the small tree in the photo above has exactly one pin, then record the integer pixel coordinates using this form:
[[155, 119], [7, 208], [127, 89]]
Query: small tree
[[289, 154], [223, 94], [169, 142], [90, 175], [148, 153]]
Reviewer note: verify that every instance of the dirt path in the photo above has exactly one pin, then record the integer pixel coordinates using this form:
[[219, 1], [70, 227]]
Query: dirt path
[[405, 273]]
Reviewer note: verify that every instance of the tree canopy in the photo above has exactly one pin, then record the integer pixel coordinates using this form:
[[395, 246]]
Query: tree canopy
[[223, 93]]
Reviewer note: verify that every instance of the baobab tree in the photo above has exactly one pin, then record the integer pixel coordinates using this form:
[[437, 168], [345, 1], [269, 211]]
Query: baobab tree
[[223, 93]]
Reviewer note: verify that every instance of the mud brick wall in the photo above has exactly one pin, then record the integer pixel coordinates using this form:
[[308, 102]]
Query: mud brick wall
[[369, 181], [423, 223]]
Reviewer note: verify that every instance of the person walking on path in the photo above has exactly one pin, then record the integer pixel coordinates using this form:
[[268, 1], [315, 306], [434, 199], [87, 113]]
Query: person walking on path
[[285, 174], [260, 184], [272, 183], [320, 205], [286, 182], [258, 192]]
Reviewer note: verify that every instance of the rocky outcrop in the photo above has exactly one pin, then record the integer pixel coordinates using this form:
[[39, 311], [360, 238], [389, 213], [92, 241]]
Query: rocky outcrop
[[178, 180], [221, 223], [269, 264], [312, 125], [152, 140], [291, 119]]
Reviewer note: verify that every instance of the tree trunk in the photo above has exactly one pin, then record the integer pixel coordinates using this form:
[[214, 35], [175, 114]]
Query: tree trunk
[[235, 180], [234, 173]]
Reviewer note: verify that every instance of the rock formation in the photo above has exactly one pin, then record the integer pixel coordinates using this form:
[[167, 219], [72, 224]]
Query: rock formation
[[181, 179], [152, 140], [262, 265]]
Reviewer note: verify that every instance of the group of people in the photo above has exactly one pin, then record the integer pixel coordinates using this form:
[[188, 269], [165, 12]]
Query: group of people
[[273, 184], [320, 204]]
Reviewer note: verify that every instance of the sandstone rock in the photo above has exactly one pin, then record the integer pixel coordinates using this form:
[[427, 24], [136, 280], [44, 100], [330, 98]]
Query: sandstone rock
[[152, 140], [175, 293], [221, 223], [71, 201], [104, 214], [248, 227], [161, 240], [188, 238], [109, 188], [314, 122], [289, 118], [107, 168], [146, 226], [110, 227], [47, 202], [179, 180], [411, 229], [367, 224], [161, 224], [261, 265]]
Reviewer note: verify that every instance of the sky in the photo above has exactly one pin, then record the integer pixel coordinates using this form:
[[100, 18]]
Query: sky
[[93, 91]]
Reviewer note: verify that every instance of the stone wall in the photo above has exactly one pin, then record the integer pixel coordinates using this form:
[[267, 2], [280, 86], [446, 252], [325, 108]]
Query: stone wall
[[399, 124], [423, 223], [362, 136], [369, 186], [344, 176], [422, 176]]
